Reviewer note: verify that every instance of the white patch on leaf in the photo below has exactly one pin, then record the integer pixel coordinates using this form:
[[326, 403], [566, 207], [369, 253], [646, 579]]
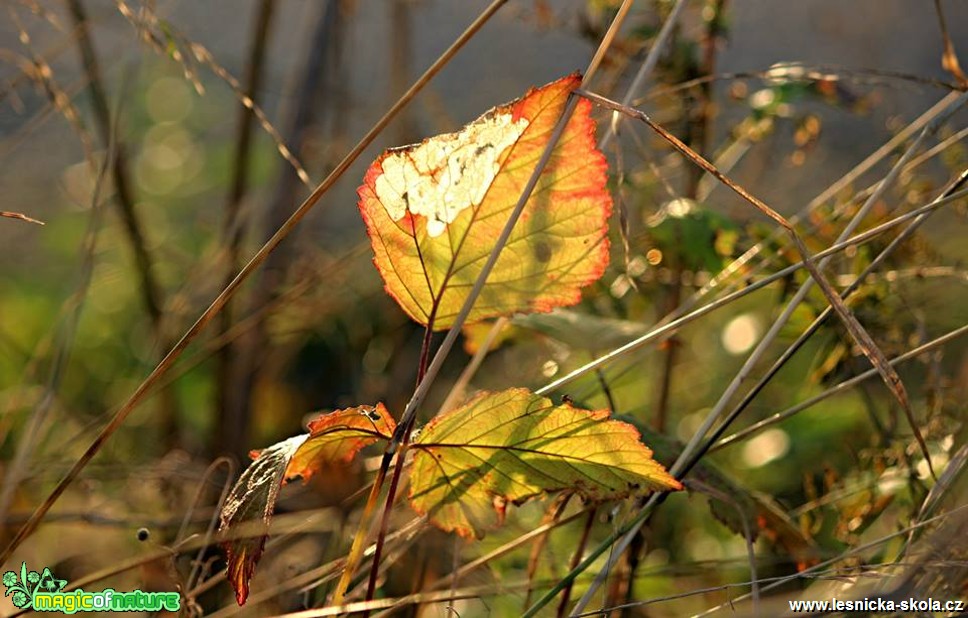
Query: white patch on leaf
[[447, 174]]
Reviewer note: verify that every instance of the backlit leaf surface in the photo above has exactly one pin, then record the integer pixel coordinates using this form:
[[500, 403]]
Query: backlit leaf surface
[[434, 211], [513, 445], [334, 438], [337, 438]]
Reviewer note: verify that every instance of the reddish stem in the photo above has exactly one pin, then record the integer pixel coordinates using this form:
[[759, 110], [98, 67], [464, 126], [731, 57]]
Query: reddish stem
[[403, 431], [385, 521], [576, 560]]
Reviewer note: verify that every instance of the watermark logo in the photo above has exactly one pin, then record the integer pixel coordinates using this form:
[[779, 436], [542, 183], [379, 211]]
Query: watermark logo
[[42, 592], [29, 583]]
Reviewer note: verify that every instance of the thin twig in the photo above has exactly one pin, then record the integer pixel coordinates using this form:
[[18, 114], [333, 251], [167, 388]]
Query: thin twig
[[697, 131], [20, 216], [836, 389], [820, 319], [858, 333], [235, 416], [151, 294], [666, 327]]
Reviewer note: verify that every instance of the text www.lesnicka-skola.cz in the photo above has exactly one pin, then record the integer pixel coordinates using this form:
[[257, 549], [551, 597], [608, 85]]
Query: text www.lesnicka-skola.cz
[[878, 605]]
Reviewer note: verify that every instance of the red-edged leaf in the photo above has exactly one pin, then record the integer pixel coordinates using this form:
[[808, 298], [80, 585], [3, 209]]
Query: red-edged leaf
[[334, 438], [338, 437], [434, 210], [513, 445]]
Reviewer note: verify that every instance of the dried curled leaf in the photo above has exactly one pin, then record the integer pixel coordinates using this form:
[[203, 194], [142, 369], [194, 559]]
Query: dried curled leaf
[[244, 521], [513, 445], [434, 211], [251, 502]]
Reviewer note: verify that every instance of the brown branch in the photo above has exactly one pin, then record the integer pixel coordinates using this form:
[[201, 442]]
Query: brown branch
[[698, 117], [949, 58], [236, 413], [20, 216]]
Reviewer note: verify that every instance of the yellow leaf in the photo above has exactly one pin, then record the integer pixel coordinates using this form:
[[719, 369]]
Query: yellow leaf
[[510, 446], [434, 211]]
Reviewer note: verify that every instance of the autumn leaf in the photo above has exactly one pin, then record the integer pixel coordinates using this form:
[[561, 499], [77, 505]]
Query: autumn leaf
[[510, 446], [337, 438], [334, 438], [434, 211]]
